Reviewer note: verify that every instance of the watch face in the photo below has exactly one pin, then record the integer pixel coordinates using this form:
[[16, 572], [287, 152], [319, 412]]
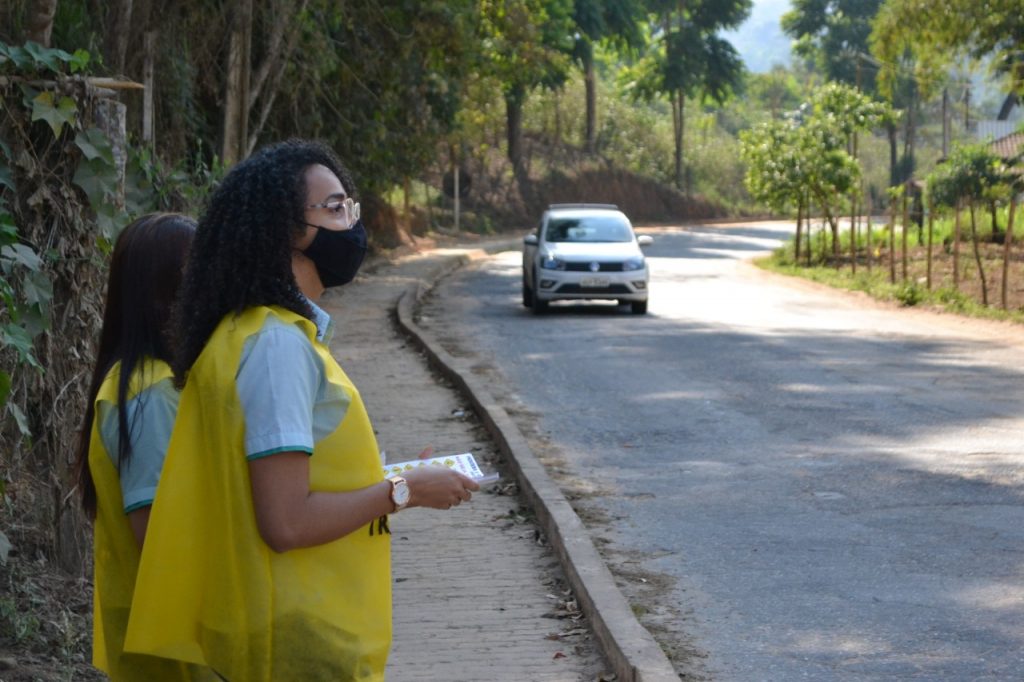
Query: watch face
[[400, 492]]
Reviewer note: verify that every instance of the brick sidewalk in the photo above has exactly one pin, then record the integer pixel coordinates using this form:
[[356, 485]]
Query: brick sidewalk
[[476, 596]]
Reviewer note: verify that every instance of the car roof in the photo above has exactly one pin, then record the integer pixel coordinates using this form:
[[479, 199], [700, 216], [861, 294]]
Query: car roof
[[584, 209]]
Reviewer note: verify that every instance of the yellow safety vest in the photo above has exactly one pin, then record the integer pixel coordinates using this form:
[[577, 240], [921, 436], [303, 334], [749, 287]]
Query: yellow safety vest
[[210, 591], [116, 553]]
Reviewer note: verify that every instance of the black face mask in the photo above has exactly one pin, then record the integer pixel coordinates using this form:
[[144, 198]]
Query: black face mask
[[338, 254]]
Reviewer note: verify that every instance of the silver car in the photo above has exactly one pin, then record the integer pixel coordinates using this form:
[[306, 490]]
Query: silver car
[[584, 251]]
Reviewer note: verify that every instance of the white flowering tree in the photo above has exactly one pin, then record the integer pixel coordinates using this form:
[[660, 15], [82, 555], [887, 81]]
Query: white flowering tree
[[806, 160]]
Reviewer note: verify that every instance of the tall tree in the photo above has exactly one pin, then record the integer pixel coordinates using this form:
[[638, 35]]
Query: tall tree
[[687, 58], [833, 35], [939, 32], [528, 43], [617, 22]]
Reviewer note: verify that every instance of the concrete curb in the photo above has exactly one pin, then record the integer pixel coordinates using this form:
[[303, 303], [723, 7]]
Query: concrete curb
[[629, 648]]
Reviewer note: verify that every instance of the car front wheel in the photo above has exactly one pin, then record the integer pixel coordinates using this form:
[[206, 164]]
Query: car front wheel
[[527, 294], [639, 307]]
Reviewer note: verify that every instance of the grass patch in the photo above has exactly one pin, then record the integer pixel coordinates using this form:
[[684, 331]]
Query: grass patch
[[911, 293]]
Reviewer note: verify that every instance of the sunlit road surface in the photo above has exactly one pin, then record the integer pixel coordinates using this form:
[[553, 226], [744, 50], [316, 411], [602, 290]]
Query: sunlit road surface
[[821, 487]]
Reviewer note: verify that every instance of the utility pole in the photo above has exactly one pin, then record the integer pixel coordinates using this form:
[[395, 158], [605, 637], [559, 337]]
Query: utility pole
[[967, 108], [945, 122]]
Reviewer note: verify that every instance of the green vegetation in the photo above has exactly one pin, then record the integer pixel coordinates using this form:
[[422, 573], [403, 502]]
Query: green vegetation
[[639, 102], [877, 285]]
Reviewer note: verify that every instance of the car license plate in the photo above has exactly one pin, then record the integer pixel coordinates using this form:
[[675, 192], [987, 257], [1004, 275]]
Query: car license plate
[[594, 282]]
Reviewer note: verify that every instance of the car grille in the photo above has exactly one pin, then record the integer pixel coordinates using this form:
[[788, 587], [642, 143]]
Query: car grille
[[577, 289], [585, 267]]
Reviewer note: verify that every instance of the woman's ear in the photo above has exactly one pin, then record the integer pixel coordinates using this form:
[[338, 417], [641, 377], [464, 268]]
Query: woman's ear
[[305, 238]]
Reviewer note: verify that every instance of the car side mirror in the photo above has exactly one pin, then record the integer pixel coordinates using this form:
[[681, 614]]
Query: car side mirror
[[644, 240], [530, 239]]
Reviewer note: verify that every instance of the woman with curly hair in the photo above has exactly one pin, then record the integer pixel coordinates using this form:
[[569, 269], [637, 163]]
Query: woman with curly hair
[[127, 425], [269, 554]]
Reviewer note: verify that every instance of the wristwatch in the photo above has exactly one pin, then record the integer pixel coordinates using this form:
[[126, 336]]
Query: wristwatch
[[399, 492]]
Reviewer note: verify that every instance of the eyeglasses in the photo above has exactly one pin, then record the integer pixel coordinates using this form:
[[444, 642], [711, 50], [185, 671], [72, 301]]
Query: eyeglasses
[[343, 210]]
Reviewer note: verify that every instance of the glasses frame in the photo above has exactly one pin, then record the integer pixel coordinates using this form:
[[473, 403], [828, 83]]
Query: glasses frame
[[351, 208]]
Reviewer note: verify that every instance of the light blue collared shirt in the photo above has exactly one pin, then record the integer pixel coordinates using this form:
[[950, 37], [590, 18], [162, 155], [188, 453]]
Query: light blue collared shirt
[[286, 399], [150, 416]]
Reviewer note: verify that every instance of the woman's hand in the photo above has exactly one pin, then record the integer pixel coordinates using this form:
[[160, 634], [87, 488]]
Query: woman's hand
[[438, 487]]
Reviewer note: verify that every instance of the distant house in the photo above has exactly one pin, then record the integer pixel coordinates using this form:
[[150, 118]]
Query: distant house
[[1011, 117], [1010, 147]]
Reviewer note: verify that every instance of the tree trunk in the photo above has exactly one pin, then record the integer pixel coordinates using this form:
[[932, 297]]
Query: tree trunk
[[236, 94], [514, 131], [995, 221], [558, 118], [833, 221], [678, 123], [890, 129], [977, 255], [809, 247], [266, 79], [119, 31], [40, 21], [945, 123], [405, 204], [590, 83], [799, 223], [910, 135], [1006, 248]]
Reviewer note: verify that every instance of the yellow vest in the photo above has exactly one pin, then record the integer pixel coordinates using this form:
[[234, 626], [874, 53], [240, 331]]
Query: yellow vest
[[116, 553], [209, 589]]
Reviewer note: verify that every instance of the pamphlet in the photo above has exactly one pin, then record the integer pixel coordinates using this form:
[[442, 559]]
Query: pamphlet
[[464, 463]]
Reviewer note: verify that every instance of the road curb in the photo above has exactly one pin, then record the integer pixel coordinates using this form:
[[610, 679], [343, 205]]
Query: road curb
[[627, 645]]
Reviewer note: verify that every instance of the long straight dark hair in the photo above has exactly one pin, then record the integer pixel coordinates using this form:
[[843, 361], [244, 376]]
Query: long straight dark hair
[[145, 275]]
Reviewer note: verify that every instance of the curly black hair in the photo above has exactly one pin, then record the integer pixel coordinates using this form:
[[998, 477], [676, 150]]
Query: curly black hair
[[242, 254]]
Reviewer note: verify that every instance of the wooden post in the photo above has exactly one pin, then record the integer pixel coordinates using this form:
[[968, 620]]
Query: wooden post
[[906, 221], [1006, 248], [967, 108], [148, 80], [867, 230], [853, 234], [111, 118], [892, 240], [956, 246], [931, 234]]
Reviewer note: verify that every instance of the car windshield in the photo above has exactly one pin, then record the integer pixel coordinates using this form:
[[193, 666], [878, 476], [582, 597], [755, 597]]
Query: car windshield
[[589, 229]]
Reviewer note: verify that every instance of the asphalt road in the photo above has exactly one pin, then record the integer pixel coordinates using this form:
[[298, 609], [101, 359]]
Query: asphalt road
[[790, 483]]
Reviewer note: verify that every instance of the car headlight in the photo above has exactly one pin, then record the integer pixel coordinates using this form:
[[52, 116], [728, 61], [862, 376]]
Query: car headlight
[[633, 264], [552, 263]]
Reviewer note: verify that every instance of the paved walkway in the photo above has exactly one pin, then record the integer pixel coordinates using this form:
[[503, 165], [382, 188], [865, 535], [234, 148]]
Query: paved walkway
[[478, 595]]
